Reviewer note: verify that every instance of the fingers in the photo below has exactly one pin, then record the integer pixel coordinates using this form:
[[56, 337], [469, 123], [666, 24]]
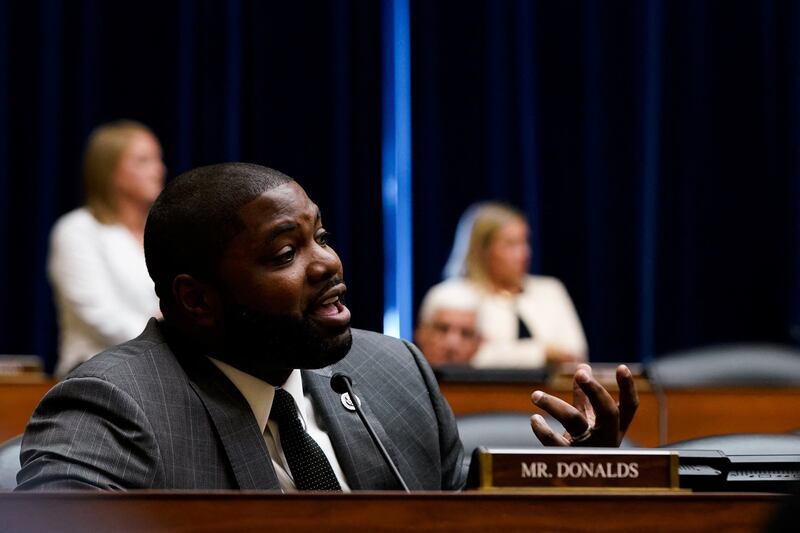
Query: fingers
[[628, 397], [606, 412], [569, 417], [579, 399], [545, 433], [594, 412]]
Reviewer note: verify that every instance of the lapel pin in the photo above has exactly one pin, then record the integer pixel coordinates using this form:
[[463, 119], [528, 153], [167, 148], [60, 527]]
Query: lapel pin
[[348, 403]]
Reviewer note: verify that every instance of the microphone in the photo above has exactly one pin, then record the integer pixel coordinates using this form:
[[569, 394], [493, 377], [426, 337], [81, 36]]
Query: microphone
[[342, 383]]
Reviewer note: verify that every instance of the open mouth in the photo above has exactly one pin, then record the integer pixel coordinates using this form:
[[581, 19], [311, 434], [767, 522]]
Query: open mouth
[[329, 310], [329, 307]]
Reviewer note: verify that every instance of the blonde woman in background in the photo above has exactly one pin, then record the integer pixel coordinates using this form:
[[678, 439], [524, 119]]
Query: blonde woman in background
[[524, 320], [96, 265]]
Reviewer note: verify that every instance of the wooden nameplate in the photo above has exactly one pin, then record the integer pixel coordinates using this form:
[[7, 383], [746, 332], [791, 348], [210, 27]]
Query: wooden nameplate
[[574, 468]]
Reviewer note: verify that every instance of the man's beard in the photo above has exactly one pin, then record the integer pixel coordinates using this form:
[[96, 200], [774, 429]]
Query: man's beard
[[261, 344]]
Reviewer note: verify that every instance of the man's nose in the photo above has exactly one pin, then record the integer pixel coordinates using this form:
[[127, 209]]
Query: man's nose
[[324, 264], [453, 337]]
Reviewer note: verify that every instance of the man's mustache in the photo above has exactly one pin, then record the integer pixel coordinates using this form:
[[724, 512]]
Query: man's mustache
[[331, 283]]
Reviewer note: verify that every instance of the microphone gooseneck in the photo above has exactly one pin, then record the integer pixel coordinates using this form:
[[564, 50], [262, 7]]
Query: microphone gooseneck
[[341, 383]]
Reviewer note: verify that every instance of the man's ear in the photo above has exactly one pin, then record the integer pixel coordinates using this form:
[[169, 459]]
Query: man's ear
[[197, 300]]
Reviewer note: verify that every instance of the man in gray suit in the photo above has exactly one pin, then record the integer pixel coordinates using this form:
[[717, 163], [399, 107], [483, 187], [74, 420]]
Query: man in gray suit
[[252, 299]]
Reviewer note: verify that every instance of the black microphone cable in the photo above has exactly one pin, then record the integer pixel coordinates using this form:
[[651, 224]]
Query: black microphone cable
[[341, 384]]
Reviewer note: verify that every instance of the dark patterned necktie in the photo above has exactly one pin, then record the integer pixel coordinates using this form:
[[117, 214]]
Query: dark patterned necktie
[[308, 464]]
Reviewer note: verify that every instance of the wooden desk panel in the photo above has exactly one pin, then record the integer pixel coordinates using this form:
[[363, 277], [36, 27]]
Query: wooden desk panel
[[697, 412], [467, 398], [17, 402], [690, 413], [465, 512]]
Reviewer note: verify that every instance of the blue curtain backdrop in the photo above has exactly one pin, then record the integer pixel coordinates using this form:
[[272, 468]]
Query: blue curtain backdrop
[[295, 86], [653, 144]]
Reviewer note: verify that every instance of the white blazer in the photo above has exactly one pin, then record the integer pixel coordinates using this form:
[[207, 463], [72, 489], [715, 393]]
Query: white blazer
[[548, 312], [103, 293]]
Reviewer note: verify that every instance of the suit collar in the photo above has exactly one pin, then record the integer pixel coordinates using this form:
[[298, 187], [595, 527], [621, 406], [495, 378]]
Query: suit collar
[[234, 421]]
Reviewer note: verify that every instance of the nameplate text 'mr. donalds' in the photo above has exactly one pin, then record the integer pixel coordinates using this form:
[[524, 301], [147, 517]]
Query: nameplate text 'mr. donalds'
[[578, 468]]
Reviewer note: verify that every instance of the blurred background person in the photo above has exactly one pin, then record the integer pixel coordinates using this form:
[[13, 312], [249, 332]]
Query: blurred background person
[[103, 293], [447, 325], [524, 320]]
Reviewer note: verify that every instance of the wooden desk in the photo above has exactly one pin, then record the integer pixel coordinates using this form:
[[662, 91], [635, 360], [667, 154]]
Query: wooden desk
[[17, 402], [696, 412], [689, 413], [464, 512]]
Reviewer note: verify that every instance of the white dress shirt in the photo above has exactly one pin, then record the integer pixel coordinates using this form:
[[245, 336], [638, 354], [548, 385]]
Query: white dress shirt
[[103, 293], [259, 395]]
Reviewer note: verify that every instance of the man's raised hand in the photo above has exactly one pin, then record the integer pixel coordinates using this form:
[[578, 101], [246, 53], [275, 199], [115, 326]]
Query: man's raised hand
[[594, 418]]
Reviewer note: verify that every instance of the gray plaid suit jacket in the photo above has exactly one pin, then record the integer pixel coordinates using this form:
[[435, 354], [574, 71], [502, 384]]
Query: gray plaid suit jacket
[[138, 416]]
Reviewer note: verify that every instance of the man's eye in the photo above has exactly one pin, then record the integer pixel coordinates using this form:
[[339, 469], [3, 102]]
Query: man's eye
[[469, 334], [284, 256], [323, 237]]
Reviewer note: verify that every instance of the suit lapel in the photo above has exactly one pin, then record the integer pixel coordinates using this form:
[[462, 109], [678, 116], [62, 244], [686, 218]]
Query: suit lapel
[[237, 429], [360, 460]]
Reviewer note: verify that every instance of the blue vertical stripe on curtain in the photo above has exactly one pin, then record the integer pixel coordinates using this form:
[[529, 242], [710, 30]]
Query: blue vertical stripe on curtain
[[396, 182], [389, 186]]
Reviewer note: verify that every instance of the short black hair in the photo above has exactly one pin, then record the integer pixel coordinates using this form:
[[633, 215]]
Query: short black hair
[[195, 217]]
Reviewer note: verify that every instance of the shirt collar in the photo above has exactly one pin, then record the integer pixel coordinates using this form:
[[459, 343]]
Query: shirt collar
[[258, 393]]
